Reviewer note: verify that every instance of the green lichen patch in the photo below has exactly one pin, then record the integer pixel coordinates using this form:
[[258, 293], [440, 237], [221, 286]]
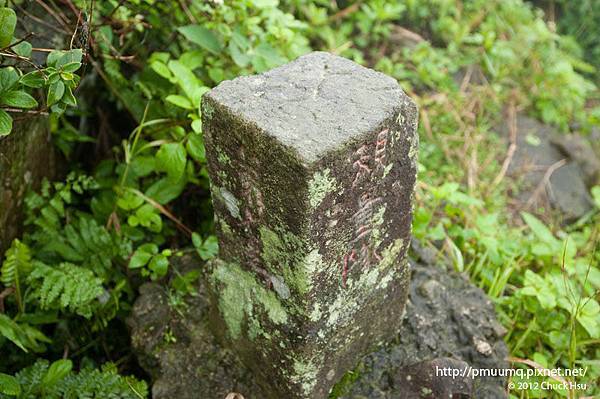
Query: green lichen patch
[[305, 374], [283, 254], [242, 298], [319, 186]]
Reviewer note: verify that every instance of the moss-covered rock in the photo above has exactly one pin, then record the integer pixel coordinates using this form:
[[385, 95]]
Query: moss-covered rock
[[440, 329]]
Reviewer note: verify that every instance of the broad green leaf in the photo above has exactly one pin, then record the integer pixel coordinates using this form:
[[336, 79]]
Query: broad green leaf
[[596, 195], [208, 248], [165, 190], [171, 158], [159, 265], [161, 69], [23, 49], [197, 125], [68, 58], [33, 79], [10, 330], [129, 201], [180, 101], [8, 22], [55, 92], [18, 99], [8, 78], [202, 37], [71, 67], [5, 123], [142, 255], [53, 57], [9, 385], [542, 232], [195, 147], [57, 371]]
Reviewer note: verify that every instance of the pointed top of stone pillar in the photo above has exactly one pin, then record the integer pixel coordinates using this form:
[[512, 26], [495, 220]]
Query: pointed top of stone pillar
[[314, 104]]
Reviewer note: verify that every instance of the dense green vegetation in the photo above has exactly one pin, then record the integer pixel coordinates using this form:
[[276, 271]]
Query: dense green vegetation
[[118, 219]]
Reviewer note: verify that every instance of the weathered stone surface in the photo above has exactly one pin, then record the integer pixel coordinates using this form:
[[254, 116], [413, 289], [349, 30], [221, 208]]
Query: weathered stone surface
[[447, 317], [440, 328], [176, 347], [541, 150], [312, 169], [26, 157]]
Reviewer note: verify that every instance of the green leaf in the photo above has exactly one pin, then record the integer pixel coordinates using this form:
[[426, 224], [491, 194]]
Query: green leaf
[[180, 101], [208, 248], [9, 385], [596, 195], [55, 92], [202, 37], [195, 147], [165, 190], [171, 158], [33, 79], [5, 123], [18, 99], [57, 371], [589, 317], [23, 49], [540, 230], [8, 22], [71, 67], [68, 58], [161, 69], [159, 265], [8, 78], [142, 255]]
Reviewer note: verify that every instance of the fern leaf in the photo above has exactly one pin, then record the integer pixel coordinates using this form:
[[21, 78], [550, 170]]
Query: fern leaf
[[66, 287], [16, 266]]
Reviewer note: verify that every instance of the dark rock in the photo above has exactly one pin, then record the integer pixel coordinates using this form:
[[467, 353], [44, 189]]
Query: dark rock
[[446, 317], [312, 169], [175, 346], [580, 151], [448, 323], [549, 178]]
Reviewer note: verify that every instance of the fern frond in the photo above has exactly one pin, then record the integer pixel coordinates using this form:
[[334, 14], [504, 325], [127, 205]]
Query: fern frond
[[16, 266], [88, 383], [85, 242], [65, 286]]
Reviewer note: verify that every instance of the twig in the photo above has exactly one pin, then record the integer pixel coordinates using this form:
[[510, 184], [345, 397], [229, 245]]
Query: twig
[[26, 111], [10, 46], [512, 148], [345, 12], [545, 181], [162, 210], [187, 12]]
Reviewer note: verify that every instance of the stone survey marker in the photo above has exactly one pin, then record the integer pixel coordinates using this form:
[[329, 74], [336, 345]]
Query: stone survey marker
[[313, 170]]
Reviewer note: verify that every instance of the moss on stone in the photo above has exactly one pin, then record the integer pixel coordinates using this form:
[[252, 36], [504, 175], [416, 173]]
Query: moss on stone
[[305, 374], [319, 186], [242, 297], [283, 254]]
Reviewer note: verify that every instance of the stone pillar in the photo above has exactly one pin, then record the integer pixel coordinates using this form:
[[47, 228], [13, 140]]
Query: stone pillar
[[312, 168]]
